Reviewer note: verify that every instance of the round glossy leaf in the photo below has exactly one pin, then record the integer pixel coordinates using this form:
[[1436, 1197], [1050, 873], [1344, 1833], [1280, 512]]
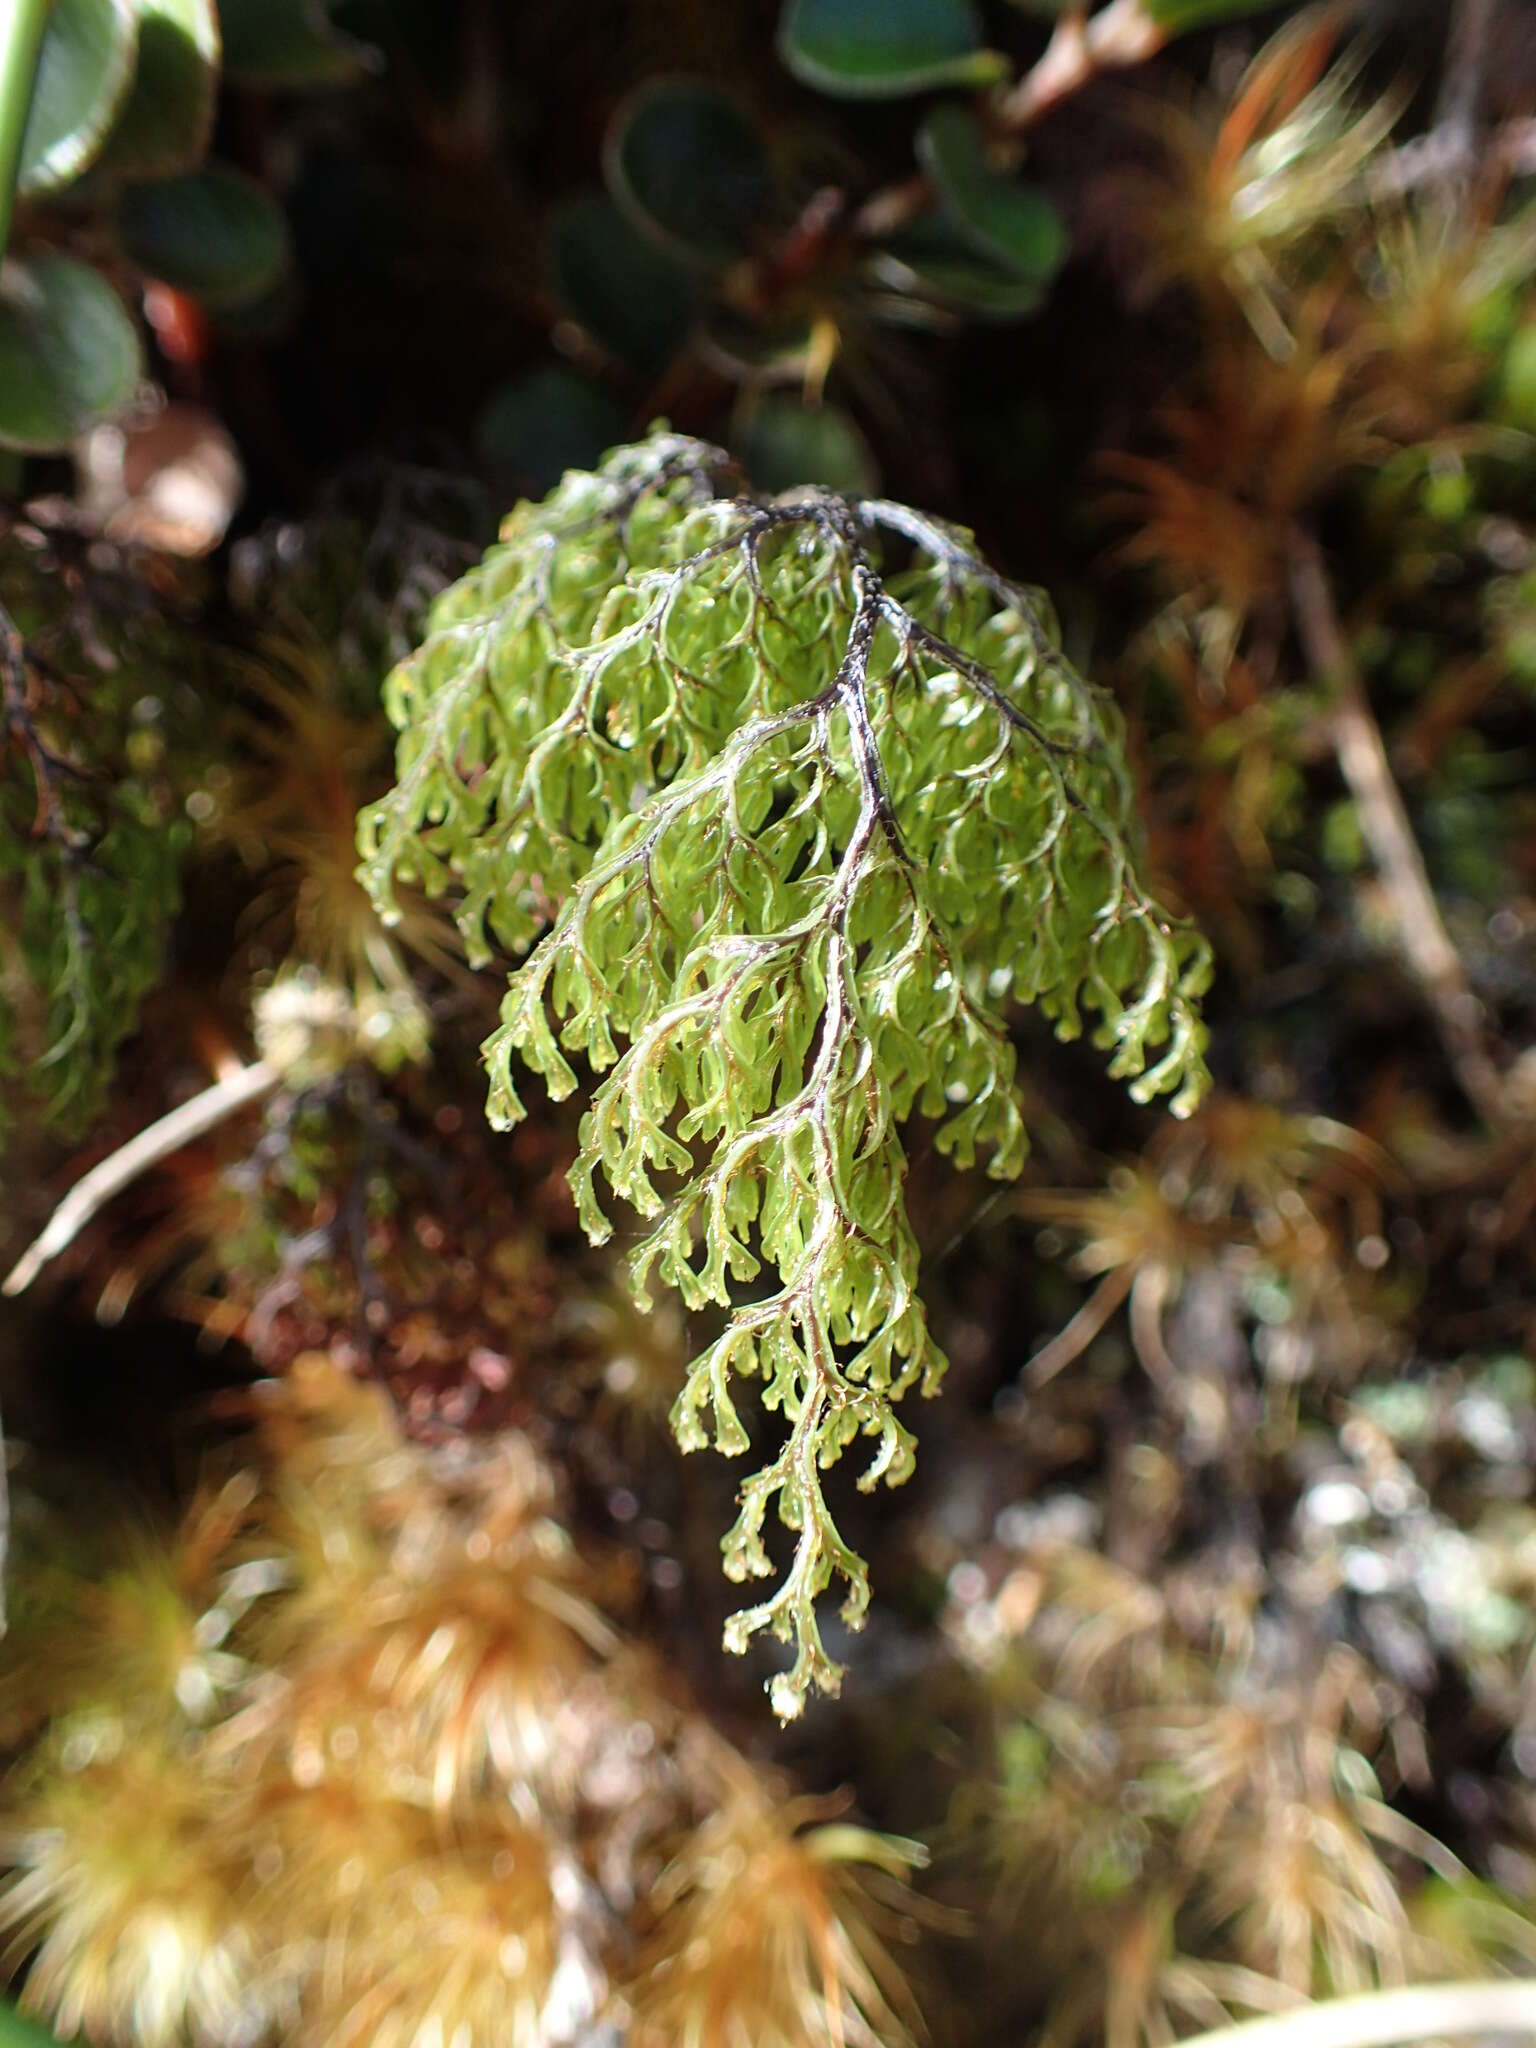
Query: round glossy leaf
[[629, 297], [1011, 223], [84, 73], [880, 49], [289, 46], [689, 169], [213, 233], [165, 126], [783, 443], [69, 354], [538, 426], [930, 264]]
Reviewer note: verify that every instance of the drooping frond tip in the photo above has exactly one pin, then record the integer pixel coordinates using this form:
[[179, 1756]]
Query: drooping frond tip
[[783, 806]]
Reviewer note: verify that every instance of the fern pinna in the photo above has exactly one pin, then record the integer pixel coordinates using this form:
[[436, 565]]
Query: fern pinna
[[781, 804]]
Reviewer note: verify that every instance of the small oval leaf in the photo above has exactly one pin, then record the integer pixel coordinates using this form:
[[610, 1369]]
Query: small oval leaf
[[535, 427], [1179, 16], [84, 72], [927, 264], [689, 169], [69, 354], [1010, 223], [214, 233], [165, 125], [289, 46], [881, 49], [636, 302], [782, 443]]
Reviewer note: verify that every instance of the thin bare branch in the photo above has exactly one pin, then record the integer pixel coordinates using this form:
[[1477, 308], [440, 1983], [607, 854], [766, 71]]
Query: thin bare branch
[[1362, 758], [1117, 36], [120, 1169]]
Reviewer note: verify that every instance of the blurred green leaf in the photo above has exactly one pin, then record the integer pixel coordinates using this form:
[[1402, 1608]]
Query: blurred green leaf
[[289, 46], [69, 354], [760, 348], [214, 233], [17, 2031], [1178, 16], [631, 298], [165, 126], [263, 318], [1011, 223], [930, 264], [550, 420], [689, 169], [880, 49], [83, 77], [782, 443], [1518, 377]]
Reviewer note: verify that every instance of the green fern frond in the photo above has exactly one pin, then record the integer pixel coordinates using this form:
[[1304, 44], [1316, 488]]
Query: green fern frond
[[798, 829]]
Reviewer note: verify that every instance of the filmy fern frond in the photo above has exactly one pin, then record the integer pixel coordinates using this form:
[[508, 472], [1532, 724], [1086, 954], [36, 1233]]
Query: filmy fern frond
[[797, 827]]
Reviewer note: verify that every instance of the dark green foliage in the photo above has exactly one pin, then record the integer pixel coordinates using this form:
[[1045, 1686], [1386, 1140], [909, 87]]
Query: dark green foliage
[[865, 49], [69, 354], [211, 232], [1001, 219], [690, 170]]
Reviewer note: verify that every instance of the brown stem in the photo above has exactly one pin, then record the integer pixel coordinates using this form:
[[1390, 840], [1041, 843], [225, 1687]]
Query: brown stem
[[1119, 35], [1362, 758], [1081, 47], [121, 1168], [1070, 1343]]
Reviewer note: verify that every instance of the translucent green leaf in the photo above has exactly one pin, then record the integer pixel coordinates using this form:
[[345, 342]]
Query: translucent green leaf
[[779, 805], [630, 297], [1002, 219], [540, 425], [879, 49], [69, 354], [165, 125], [213, 232], [689, 169], [83, 78], [783, 443], [289, 46]]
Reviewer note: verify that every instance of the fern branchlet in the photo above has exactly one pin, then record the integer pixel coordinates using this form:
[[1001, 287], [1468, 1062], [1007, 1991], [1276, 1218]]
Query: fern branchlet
[[781, 832]]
